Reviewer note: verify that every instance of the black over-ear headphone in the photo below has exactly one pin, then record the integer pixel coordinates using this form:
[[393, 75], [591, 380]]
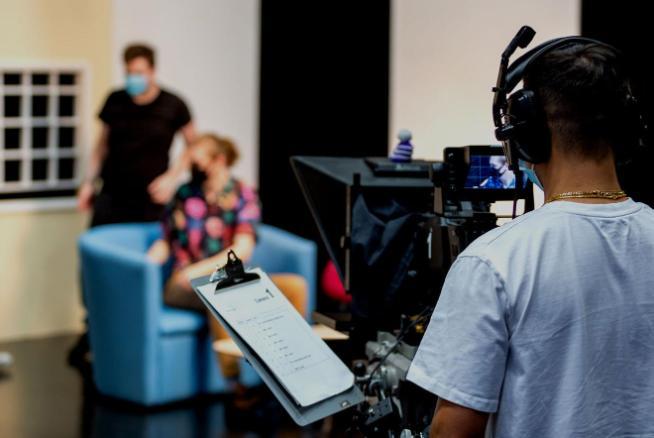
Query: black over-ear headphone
[[520, 122]]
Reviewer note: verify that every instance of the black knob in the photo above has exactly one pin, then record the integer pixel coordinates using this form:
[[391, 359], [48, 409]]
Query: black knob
[[359, 368]]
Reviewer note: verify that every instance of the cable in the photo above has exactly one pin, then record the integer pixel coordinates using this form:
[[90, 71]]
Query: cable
[[399, 338]]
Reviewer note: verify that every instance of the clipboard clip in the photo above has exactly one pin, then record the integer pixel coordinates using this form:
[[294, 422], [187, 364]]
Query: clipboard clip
[[232, 273]]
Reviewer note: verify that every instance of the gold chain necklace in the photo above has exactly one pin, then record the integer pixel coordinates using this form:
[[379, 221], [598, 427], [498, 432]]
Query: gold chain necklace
[[603, 194]]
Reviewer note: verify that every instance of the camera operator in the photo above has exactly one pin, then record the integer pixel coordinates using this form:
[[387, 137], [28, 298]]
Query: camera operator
[[544, 326]]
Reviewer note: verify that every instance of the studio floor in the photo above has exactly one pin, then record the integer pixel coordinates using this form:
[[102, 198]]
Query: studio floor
[[41, 396]]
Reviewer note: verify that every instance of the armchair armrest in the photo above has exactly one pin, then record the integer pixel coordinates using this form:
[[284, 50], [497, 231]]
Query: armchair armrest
[[123, 297]]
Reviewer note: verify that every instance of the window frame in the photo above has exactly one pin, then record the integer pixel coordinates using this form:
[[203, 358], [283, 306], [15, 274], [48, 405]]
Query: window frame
[[53, 192]]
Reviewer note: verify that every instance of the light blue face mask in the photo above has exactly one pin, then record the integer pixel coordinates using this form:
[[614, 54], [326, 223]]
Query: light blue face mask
[[528, 169], [136, 84]]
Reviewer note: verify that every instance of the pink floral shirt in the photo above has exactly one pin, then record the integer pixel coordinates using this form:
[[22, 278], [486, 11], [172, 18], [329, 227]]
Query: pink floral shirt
[[197, 229]]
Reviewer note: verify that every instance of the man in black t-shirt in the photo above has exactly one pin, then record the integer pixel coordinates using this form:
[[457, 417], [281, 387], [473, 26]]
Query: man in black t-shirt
[[139, 123], [131, 156]]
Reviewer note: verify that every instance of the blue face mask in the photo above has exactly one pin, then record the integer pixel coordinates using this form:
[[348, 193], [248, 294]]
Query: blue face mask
[[528, 169], [136, 84]]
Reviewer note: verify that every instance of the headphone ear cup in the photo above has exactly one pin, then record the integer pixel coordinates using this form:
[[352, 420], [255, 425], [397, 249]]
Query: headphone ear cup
[[530, 135]]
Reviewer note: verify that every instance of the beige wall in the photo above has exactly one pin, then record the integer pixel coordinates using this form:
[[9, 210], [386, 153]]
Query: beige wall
[[445, 57], [444, 60], [39, 293]]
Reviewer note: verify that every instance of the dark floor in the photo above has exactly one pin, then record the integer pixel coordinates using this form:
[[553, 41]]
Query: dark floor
[[41, 396]]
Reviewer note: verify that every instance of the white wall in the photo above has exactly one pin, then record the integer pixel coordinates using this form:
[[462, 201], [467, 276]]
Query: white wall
[[444, 60], [207, 52]]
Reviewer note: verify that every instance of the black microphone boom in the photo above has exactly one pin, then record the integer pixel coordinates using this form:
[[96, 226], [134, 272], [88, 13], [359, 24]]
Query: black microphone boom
[[521, 39]]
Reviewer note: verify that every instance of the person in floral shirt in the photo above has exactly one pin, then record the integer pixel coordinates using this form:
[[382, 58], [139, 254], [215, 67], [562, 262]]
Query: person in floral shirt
[[199, 225], [208, 216]]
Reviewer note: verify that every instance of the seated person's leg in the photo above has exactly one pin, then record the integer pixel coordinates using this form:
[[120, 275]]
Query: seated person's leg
[[228, 364], [179, 293], [294, 287]]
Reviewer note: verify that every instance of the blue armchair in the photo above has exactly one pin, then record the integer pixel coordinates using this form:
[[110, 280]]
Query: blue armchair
[[148, 353]]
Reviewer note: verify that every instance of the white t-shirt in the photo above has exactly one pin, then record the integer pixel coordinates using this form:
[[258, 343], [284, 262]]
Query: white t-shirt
[[548, 321]]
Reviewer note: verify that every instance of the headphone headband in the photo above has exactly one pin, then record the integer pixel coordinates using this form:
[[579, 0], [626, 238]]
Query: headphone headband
[[518, 67], [520, 122]]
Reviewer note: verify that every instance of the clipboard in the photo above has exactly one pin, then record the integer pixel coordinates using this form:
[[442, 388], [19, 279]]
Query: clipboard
[[302, 415]]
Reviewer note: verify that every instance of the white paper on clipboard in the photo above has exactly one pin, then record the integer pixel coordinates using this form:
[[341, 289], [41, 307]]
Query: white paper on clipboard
[[304, 365]]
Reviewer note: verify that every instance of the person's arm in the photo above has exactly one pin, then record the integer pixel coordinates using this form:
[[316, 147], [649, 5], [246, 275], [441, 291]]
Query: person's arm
[[184, 160], [243, 247], [98, 154], [159, 252], [163, 187], [456, 421], [462, 356]]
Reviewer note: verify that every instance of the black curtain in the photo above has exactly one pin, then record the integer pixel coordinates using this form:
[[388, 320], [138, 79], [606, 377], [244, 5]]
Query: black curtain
[[627, 26], [324, 91]]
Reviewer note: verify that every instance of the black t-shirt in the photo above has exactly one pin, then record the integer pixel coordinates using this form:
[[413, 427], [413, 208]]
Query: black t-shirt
[[139, 140]]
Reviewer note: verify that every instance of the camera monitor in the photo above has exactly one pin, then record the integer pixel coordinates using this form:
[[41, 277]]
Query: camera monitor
[[489, 172], [481, 173]]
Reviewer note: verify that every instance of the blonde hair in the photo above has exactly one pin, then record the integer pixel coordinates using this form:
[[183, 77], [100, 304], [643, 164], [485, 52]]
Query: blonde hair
[[219, 145]]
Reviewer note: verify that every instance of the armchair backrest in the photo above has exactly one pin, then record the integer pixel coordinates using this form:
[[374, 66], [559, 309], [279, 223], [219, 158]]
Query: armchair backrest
[[277, 251]]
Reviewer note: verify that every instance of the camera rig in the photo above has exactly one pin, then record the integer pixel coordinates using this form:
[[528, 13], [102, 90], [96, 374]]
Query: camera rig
[[393, 231]]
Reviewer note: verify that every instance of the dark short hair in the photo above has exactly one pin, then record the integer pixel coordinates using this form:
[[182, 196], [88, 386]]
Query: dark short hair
[[134, 51], [584, 90]]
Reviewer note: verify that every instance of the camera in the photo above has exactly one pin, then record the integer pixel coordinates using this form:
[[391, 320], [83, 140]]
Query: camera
[[392, 231]]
